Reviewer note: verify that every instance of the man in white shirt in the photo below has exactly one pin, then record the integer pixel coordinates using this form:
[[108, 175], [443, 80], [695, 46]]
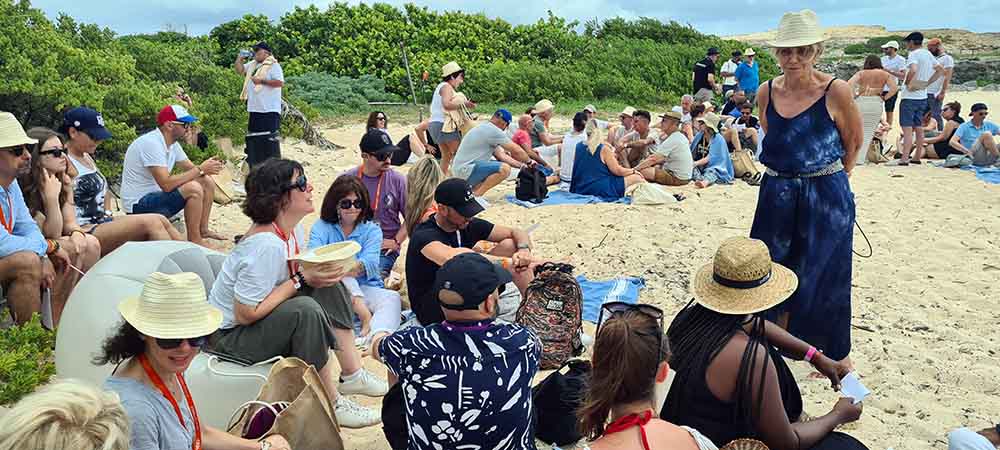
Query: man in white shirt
[[567, 155], [728, 72], [671, 162], [262, 91], [937, 89], [895, 64], [921, 70], [148, 185], [634, 146]]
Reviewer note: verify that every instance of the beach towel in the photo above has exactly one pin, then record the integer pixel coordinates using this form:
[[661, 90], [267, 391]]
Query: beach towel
[[258, 71], [988, 174], [561, 197], [597, 293]]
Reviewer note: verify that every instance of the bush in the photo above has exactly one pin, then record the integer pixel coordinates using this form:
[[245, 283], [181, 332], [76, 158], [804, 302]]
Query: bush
[[873, 46], [25, 359], [329, 94]]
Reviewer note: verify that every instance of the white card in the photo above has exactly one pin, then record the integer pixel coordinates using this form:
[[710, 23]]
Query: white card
[[851, 387]]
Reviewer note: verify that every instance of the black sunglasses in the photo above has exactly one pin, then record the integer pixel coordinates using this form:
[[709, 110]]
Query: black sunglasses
[[347, 204], [170, 344], [381, 118], [301, 183], [381, 156], [17, 151], [56, 152], [186, 125]]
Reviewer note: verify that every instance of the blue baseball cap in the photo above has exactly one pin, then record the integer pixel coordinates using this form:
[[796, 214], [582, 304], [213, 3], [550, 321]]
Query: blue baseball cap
[[504, 114], [86, 120]]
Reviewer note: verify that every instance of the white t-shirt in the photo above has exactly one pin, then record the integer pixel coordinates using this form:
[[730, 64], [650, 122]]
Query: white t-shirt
[[568, 154], [946, 62], [922, 62], [149, 150], [678, 153], [729, 66], [269, 98], [894, 64]]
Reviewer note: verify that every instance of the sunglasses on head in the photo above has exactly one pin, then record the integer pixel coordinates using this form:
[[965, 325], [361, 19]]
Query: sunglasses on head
[[55, 152], [615, 310], [170, 344], [347, 203], [17, 151], [301, 183]]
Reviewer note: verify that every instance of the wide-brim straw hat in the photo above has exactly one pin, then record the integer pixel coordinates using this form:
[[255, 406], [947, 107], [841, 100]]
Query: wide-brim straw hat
[[172, 306], [628, 111], [542, 106], [711, 120], [450, 68], [742, 279], [12, 133], [330, 255], [749, 52], [798, 29]]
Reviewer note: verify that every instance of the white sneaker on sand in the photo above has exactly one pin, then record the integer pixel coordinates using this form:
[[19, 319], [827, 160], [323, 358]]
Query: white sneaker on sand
[[353, 415], [365, 384]]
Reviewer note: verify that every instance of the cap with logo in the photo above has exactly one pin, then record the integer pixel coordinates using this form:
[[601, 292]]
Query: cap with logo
[[467, 280], [86, 120], [978, 107], [174, 113], [505, 115], [456, 193], [376, 142]]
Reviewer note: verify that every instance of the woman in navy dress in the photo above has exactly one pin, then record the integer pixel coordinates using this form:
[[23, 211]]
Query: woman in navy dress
[[805, 211]]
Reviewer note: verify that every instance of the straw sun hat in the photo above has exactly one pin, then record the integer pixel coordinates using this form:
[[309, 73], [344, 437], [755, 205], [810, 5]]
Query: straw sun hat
[[742, 279], [450, 68], [11, 132], [798, 29], [172, 307], [711, 120], [542, 106], [331, 255]]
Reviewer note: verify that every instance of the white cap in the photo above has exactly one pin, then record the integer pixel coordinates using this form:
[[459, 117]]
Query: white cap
[[892, 44]]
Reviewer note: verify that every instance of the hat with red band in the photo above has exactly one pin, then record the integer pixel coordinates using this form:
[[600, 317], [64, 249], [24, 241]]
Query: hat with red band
[[174, 113]]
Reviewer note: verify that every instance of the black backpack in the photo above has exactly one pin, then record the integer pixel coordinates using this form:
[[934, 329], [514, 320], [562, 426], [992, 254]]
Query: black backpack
[[556, 400], [531, 185]]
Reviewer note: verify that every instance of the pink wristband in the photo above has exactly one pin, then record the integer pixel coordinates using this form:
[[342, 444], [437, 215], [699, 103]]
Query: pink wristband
[[810, 353]]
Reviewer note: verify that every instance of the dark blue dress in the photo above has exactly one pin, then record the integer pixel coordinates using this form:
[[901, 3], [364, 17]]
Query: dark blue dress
[[807, 224], [592, 177]]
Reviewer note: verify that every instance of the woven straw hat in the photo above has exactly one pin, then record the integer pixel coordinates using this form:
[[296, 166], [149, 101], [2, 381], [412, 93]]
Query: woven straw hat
[[710, 120], [742, 279], [172, 307], [450, 68], [542, 106], [798, 29], [628, 111], [330, 255], [749, 52], [11, 132]]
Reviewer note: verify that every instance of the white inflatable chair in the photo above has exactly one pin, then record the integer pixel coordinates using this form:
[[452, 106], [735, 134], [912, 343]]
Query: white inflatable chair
[[219, 387]]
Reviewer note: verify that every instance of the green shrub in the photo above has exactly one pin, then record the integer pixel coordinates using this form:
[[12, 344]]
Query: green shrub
[[329, 94], [25, 359]]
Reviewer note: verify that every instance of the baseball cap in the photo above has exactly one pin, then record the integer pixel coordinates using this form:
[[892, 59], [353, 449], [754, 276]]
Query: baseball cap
[[504, 114], [737, 53], [713, 51], [590, 108], [174, 113], [376, 142], [467, 280], [978, 107], [892, 44], [457, 194], [86, 120], [262, 46], [915, 37]]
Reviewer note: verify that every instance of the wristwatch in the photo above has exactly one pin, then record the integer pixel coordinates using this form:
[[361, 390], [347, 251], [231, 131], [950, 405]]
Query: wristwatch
[[298, 280], [523, 247], [201, 173]]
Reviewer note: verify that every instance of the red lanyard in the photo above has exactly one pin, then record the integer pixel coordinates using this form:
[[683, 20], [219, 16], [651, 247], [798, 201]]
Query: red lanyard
[[3, 220], [196, 444], [284, 238], [378, 189], [630, 421]]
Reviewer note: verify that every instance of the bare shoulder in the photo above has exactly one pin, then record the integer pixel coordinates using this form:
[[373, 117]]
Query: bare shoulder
[[668, 435]]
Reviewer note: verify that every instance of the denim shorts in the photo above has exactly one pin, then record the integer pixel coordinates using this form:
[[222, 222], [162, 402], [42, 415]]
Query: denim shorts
[[911, 112], [167, 204], [483, 169]]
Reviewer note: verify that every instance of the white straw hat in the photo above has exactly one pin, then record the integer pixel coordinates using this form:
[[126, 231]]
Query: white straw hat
[[330, 255], [711, 120], [542, 106], [628, 111], [11, 132], [590, 108], [742, 279], [798, 29], [172, 307], [749, 52], [450, 68]]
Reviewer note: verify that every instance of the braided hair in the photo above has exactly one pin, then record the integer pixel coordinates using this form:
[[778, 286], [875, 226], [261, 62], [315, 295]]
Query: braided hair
[[697, 335]]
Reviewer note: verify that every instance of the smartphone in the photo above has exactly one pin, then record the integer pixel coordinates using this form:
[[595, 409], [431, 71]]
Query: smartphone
[[246, 53]]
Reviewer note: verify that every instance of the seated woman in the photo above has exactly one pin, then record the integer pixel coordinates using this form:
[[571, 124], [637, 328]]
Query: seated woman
[[421, 181], [939, 146], [48, 192], [596, 170], [347, 215], [712, 163], [85, 131], [630, 358], [164, 329], [732, 381], [273, 307]]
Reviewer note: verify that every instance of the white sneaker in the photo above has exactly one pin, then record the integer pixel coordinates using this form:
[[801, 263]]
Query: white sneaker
[[364, 384], [353, 415]]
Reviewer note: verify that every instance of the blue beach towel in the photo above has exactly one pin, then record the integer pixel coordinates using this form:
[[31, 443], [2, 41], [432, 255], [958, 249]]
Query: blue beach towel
[[561, 197], [597, 293], [987, 174]]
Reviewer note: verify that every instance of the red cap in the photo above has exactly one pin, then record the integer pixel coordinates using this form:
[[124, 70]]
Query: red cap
[[174, 113]]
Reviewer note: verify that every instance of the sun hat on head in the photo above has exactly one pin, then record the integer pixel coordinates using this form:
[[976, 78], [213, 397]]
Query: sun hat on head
[[891, 44], [450, 68], [798, 29], [710, 120], [590, 108], [749, 52], [542, 106], [11, 132], [172, 306], [742, 279], [628, 111], [672, 114]]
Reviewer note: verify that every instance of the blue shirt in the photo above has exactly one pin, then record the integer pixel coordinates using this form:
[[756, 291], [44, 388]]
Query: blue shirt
[[968, 133], [466, 385], [719, 160], [748, 76], [25, 235], [368, 234]]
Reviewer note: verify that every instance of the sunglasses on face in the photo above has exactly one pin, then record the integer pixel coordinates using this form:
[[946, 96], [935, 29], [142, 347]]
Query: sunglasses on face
[[381, 156], [347, 204], [55, 152], [301, 183], [170, 344], [17, 151], [381, 118], [182, 124]]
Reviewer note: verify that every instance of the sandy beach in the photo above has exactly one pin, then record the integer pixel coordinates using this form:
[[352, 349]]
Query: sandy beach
[[925, 338]]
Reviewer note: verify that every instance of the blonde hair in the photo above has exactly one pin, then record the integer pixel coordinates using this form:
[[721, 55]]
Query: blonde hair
[[421, 181], [66, 414]]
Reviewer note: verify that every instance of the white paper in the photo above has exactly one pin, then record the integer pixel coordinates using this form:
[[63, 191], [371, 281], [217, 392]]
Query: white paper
[[851, 387]]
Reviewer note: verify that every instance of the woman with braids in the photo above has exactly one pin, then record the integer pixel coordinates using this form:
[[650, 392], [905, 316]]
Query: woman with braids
[[630, 357], [732, 381]]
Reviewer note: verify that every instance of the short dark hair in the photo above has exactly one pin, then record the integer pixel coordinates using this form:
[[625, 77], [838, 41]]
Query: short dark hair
[[697, 110], [267, 188], [644, 114], [746, 105], [342, 187], [580, 121], [954, 106], [873, 62]]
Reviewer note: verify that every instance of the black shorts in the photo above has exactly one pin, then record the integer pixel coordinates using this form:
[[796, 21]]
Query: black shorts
[[264, 122], [890, 104]]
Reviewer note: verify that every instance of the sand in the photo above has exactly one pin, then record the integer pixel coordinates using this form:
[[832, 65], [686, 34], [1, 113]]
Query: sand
[[926, 336]]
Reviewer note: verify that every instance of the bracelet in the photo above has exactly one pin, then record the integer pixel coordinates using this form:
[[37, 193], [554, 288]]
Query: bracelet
[[53, 246], [810, 354], [504, 263]]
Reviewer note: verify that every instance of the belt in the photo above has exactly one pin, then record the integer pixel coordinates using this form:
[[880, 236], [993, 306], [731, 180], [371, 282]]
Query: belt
[[833, 168]]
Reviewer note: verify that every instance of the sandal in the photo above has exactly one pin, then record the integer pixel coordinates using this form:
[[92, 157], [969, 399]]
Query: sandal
[[753, 180]]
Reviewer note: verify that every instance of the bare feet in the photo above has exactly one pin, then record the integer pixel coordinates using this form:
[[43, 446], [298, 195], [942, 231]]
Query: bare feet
[[209, 234], [700, 184]]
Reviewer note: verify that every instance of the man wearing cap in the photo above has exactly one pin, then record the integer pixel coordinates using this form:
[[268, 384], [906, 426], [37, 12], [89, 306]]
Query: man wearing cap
[[634, 147], [703, 76], [467, 379], [937, 89], [748, 74], [732, 106], [670, 163], [728, 72], [149, 184], [975, 137], [591, 111], [474, 162], [541, 140], [28, 262], [262, 83], [921, 70], [387, 191], [895, 64], [451, 231]]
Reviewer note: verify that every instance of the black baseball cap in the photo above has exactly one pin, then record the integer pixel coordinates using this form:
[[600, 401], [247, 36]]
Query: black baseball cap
[[467, 280], [713, 51], [262, 46], [86, 120], [915, 37], [737, 53], [457, 194], [376, 142], [978, 107]]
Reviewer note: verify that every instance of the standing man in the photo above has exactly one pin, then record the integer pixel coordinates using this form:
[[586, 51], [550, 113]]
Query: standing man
[[895, 64], [728, 72], [937, 89], [703, 77], [921, 70], [748, 75], [262, 84], [671, 162]]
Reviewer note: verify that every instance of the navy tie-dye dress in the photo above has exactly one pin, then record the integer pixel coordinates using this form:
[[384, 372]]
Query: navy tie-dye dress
[[807, 224]]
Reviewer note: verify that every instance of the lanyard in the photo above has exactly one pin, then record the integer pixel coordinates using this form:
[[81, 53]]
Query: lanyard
[[196, 444], [378, 189], [9, 226], [284, 238], [630, 421]]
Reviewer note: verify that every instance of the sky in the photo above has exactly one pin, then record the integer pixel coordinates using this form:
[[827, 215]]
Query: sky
[[736, 17]]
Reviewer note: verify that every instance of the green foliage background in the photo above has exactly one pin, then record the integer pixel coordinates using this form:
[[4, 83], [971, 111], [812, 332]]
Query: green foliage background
[[873, 46], [25, 359]]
